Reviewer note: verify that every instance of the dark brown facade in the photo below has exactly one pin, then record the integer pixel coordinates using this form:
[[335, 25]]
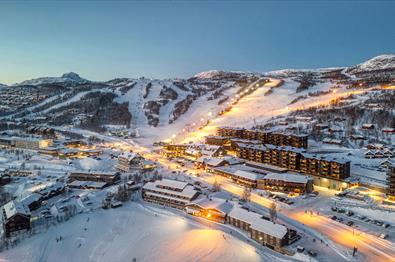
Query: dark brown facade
[[278, 139], [294, 159], [391, 182], [109, 178]]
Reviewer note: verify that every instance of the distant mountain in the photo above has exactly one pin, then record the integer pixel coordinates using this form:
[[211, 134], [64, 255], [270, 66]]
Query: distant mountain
[[67, 79], [378, 63], [158, 103]]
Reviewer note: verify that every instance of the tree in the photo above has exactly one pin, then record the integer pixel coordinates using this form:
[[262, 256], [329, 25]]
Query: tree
[[216, 186], [273, 212], [246, 194]]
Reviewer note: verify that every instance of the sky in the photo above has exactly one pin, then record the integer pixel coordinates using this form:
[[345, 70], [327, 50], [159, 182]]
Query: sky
[[101, 40]]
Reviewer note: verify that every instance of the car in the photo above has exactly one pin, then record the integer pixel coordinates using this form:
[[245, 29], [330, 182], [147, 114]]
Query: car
[[350, 223], [312, 253], [300, 249], [379, 223], [334, 209], [341, 210], [349, 213], [383, 236], [386, 225], [334, 217], [340, 219]]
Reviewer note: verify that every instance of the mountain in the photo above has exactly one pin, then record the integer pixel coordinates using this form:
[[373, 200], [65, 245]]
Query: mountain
[[381, 62], [70, 79], [142, 103]]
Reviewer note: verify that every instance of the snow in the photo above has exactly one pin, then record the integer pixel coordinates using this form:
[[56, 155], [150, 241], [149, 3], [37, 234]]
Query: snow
[[247, 175], [89, 163], [376, 63], [288, 177], [159, 187], [132, 232], [68, 78], [258, 223]]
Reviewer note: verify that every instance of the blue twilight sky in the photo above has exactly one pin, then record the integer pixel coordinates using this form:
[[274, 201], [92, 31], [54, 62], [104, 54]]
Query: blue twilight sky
[[160, 39]]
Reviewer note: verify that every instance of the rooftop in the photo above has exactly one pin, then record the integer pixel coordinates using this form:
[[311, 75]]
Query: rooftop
[[288, 177]]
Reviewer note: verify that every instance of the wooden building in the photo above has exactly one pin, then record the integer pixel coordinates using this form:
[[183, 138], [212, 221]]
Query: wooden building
[[108, 177], [211, 208], [296, 160], [391, 182], [286, 183], [32, 201], [242, 177], [262, 230], [129, 161], [16, 217], [274, 138], [168, 192]]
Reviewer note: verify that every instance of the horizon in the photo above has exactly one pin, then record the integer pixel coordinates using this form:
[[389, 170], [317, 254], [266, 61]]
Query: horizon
[[136, 77], [159, 40]]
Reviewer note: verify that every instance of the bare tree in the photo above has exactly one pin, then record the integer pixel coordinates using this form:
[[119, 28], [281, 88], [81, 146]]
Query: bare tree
[[246, 194], [216, 186], [273, 212]]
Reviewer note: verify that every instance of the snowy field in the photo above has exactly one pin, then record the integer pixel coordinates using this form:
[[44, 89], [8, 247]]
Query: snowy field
[[133, 231]]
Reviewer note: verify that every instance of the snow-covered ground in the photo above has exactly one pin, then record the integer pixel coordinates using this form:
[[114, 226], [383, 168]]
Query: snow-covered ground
[[133, 231]]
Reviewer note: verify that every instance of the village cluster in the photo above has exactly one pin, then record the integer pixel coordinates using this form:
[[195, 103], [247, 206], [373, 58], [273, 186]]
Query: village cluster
[[37, 193]]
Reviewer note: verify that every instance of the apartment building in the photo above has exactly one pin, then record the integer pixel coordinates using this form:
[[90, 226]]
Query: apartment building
[[168, 192]]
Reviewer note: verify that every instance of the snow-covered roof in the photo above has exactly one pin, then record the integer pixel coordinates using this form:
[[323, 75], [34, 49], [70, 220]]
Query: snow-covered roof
[[269, 228], [215, 203], [288, 177], [233, 160], [247, 175], [187, 190], [171, 183], [258, 223], [214, 161], [12, 208], [33, 197], [128, 155], [167, 197], [93, 173], [91, 184]]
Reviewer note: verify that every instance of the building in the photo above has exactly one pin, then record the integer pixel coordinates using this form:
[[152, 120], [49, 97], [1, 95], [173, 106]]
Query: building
[[262, 230], [242, 177], [52, 190], [22, 172], [286, 183], [296, 160], [32, 143], [211, 208], [274, 138], [87, 184], [174, 150], [32, 201], [168, 192], [368, 126], [7, 141], [129, 161], [109, 178], [391, 182], [5, 178], [216, 140], [388, 130], [16, 217]]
